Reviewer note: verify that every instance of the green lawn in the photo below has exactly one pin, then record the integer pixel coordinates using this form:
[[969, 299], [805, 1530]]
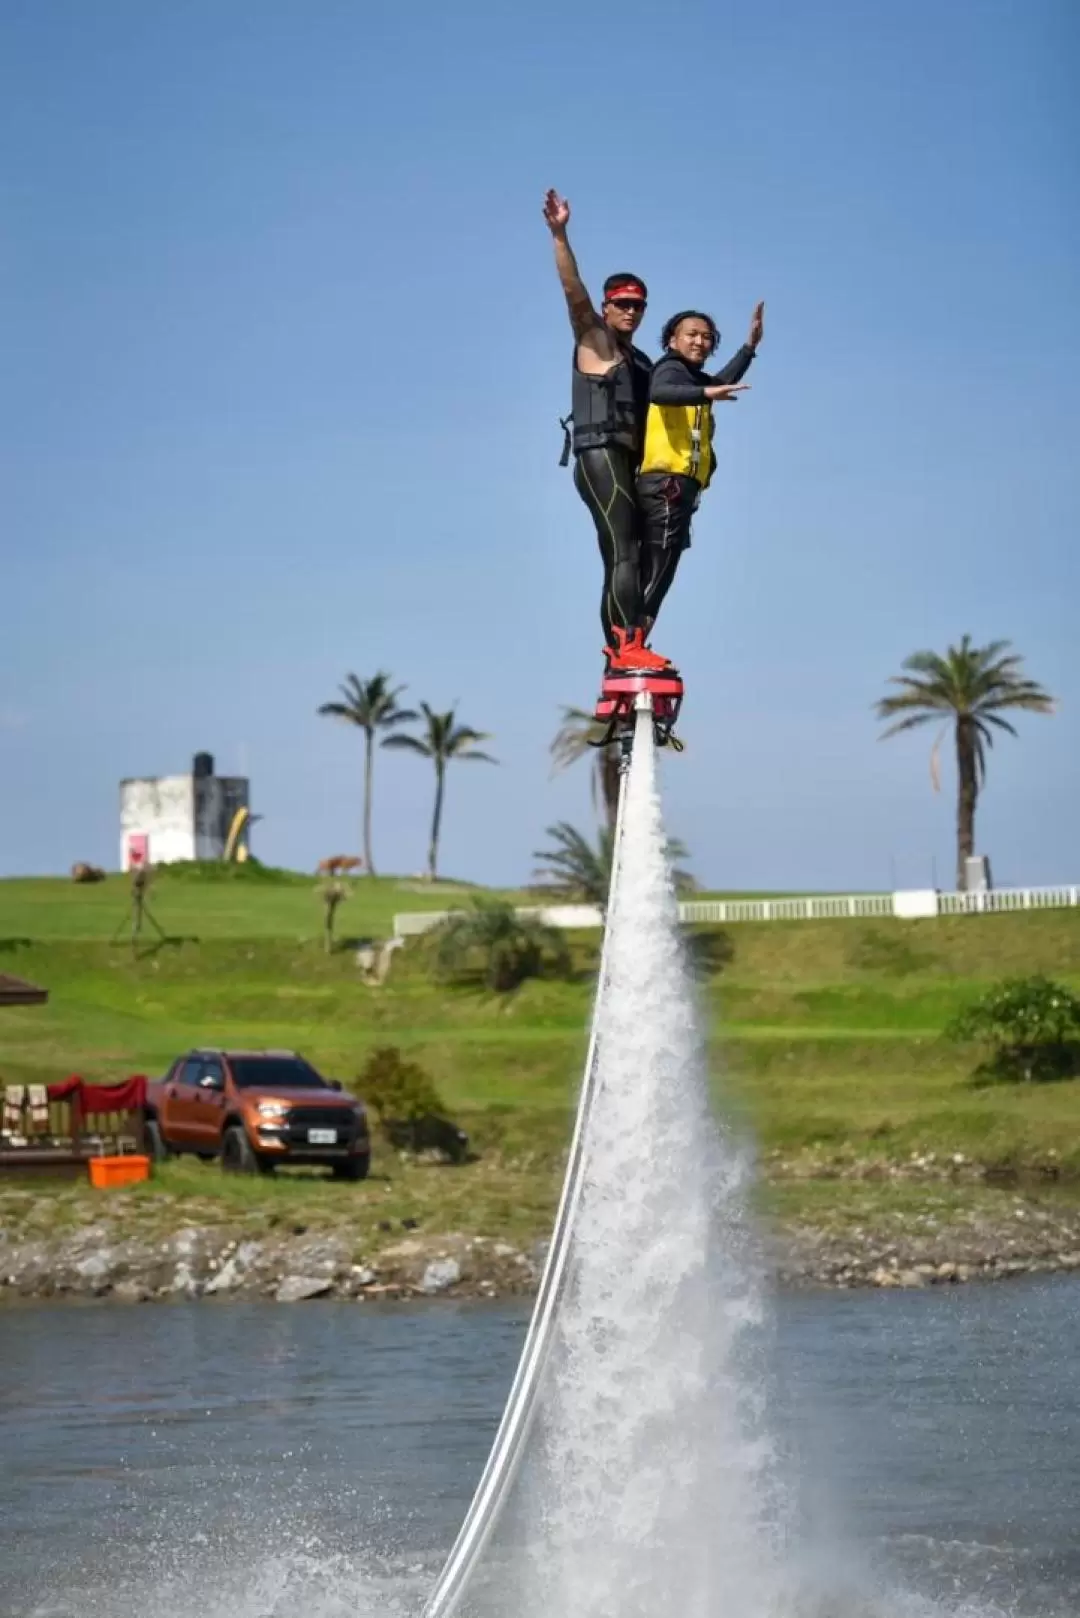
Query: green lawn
[[823, 1036], [241, 903]]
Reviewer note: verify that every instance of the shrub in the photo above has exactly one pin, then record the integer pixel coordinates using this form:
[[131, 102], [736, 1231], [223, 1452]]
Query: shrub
[[410, 1109], [1030, 1027], [493, 943], [397, 1089]]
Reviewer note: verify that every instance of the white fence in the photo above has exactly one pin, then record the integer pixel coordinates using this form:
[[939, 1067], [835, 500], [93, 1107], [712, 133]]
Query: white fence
[[918, 904]]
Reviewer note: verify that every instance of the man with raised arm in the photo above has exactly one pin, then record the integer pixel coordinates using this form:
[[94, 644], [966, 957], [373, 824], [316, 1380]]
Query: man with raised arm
[[605, 430]]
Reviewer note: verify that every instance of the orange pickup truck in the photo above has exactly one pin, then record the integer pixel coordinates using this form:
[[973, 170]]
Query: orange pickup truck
[[254, 1110]]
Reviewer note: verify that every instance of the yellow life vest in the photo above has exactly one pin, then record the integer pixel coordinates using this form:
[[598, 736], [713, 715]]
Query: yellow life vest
[[678, 439]]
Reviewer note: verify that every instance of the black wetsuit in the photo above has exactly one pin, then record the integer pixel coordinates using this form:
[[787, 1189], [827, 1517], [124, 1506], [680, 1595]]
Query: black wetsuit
[[608, 428], [667, 500]]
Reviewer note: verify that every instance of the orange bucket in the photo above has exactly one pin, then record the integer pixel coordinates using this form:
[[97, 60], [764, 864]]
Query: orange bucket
[[110, 1171]]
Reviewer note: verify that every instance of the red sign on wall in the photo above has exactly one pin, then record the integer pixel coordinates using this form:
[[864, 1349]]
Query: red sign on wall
[[138, 849]]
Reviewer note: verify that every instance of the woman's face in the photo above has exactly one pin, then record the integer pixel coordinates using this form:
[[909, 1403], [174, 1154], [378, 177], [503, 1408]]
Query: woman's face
[[693, 340]]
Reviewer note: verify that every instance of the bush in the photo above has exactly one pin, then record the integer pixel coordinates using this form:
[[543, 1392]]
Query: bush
[[411, 1111], [492, 943], [1031, 1027], [397, 1089]]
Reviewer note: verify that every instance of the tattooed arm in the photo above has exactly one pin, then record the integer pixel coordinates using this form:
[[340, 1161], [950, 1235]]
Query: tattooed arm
[[595, 342]]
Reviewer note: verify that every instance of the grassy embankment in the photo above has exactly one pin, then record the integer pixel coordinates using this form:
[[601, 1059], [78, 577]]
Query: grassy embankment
[[824, 1042]]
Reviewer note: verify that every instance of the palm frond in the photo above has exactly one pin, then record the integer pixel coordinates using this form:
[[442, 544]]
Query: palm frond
[[1002, 724], [910, 723], [411, 744]]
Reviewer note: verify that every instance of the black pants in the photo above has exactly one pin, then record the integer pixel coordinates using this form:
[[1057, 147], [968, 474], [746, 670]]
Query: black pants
[[604, 478], [666, 504]]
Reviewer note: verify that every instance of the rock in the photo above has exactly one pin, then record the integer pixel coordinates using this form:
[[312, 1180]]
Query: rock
[[295, 1288], [910, 1278], [95, 1267], [131, 1292], [440, 1274], [184, 1281], [361, 1276], [403, 1250], [185, 1244]]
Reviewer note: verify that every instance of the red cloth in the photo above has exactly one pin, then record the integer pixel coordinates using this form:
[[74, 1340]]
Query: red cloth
[[127, 1096]]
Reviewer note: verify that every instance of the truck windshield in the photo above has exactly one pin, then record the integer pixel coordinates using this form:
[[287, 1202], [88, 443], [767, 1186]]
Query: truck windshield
[[275, 1073]]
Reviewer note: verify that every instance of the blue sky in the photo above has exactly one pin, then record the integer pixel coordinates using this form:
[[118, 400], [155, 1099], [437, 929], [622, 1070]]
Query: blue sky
[[284, 355]]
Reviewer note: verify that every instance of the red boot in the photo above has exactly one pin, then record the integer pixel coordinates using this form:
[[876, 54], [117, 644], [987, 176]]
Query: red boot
[[630, 655]]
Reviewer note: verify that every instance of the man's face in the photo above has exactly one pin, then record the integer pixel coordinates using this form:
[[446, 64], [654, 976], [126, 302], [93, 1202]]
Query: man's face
[[693, 340], [624, 314]]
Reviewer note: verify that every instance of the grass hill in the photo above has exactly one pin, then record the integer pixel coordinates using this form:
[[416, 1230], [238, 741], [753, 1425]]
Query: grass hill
[[824, 1037]]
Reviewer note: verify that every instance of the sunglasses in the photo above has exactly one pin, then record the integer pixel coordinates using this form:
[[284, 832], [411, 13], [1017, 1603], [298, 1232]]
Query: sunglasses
[[629, 304]]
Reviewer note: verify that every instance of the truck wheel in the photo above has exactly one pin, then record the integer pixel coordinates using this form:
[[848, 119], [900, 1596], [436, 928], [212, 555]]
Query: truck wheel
[[238, 1155], [156, 1149], [355, 1169]]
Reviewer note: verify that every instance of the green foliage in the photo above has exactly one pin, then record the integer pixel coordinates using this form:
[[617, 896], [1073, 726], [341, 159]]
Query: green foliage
[[573, 868], [492, 942], [972, 683], [579, 871], [250, 872], [579, 736], [1031, 1026], [396, 1089], [370, 705]]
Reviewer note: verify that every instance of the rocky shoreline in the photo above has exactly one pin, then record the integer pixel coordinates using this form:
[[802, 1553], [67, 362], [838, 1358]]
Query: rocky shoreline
[[217, 1263]]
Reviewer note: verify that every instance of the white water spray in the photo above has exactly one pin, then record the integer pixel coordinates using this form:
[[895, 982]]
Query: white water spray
[[646, 1486], [654, 1485]]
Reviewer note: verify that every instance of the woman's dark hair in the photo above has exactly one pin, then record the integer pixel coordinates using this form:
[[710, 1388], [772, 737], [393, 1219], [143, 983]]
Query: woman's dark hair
[[676, 321]]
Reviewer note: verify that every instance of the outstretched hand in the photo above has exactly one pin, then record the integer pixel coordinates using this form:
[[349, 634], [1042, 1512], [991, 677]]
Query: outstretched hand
[[727, 392], [757, 326], [556, 212]]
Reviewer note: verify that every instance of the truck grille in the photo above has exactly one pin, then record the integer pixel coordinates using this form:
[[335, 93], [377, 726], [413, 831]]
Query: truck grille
[[301, 1119]]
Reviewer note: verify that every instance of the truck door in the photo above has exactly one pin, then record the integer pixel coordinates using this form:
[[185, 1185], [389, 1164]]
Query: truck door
[[177, 1103], [208, 1105]]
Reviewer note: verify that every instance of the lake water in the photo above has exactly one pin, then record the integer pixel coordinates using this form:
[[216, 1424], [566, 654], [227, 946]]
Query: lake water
[[270, 1461]]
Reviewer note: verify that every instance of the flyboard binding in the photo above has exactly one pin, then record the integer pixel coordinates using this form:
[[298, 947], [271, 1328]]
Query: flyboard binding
[[624, 692]]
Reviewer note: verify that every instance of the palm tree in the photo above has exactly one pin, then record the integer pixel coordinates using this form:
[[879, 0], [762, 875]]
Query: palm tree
[[971, 684], [576, 870], [442, 741], [573, 868], [370, 705], [576, 737]]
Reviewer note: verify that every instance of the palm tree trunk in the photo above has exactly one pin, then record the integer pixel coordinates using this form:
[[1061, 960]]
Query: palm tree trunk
[[608, 766], [967, 795], [436, 819], [369, 863]]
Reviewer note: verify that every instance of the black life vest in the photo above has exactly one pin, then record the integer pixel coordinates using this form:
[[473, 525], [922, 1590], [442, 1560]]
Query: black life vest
[[609, 409]]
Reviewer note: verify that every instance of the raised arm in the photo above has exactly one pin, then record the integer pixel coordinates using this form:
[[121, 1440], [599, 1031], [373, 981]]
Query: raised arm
[[589, 330], [737, 367]]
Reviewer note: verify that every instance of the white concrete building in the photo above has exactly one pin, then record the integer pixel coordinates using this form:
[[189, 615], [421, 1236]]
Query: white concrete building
[[183, 817]]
